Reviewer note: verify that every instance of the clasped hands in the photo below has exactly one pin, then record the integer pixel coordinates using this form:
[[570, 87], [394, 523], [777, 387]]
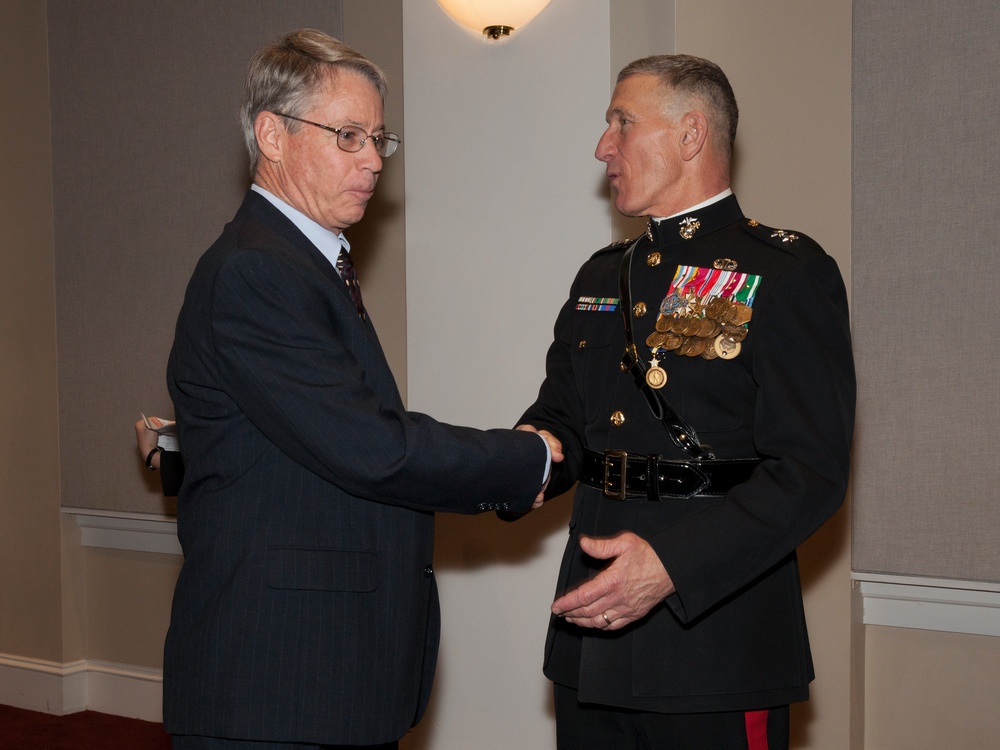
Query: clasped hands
[[555, 449]]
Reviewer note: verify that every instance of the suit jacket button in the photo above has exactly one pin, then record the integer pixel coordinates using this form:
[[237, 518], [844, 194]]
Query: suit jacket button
[[428, 571]]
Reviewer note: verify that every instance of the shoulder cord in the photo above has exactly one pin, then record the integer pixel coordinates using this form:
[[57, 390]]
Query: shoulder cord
[[680, 432]]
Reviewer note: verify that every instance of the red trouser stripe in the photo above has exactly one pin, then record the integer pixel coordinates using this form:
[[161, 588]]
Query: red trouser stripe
[[756, 722]]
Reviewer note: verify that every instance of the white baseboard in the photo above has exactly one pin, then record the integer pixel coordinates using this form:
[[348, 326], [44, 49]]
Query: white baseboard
[[141, 532], [53, 688], [944, 605]]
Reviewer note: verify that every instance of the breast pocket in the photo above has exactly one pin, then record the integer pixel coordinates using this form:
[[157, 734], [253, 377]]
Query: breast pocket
[[597, 343]]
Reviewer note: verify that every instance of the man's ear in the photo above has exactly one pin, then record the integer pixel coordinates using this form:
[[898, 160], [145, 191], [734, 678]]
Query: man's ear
[[270, 134], [694, 134]]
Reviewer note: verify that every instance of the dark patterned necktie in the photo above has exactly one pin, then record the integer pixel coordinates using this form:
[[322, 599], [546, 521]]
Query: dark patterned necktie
[[346, 270]]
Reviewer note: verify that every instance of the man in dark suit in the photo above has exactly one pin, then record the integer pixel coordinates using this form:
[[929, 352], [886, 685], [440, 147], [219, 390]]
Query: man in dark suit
[[306, 612], [705, 455]]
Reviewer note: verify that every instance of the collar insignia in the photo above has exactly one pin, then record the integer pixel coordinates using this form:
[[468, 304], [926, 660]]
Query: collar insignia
[[689, 226]]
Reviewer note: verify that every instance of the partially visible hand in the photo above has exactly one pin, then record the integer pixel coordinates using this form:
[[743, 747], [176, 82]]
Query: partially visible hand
[[146, 439], [555, 450], [624, 592], [555, 445]]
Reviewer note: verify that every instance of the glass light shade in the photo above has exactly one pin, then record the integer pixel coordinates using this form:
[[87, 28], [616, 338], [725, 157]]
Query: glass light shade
[[479, 15]]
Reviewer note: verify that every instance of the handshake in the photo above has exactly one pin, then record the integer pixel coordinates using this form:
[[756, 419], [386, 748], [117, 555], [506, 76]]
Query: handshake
[[555, 449]]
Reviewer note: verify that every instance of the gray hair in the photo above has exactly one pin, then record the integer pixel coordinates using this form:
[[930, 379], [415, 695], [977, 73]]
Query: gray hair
[[285, 76], [696, 82]]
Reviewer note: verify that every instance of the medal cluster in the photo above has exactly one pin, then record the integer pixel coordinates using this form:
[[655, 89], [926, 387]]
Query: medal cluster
[[707, 327]]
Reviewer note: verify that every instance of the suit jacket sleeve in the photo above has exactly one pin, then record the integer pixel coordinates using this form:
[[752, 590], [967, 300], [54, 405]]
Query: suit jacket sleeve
[[287, 353]]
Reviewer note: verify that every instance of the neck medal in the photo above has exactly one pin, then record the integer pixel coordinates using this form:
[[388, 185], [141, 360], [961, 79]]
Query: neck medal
[[705, 313]]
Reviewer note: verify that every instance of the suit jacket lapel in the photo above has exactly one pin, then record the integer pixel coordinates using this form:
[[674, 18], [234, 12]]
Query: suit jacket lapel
[[261, 209]]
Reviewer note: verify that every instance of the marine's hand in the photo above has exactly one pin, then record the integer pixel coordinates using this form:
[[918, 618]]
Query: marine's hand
[[624, 592]]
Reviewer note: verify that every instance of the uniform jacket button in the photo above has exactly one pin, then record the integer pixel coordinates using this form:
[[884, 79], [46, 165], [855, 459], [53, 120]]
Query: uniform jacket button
[[428, 571]]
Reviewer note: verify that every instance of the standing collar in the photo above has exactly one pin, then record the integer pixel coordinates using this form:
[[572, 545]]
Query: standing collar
[[699, 220]]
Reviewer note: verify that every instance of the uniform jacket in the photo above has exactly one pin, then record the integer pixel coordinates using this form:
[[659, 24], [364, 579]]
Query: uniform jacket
[[306, 609], [733, 636]]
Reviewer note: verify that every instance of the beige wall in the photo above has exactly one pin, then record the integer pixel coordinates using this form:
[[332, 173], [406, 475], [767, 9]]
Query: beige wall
[[30, 598], [928, 690]]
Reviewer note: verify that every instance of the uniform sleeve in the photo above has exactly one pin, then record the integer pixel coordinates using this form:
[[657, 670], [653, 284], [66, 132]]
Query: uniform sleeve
[[804, 419]]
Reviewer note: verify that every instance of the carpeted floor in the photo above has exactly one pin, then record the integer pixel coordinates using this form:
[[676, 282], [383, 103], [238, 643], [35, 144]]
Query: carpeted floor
[[86, 730]]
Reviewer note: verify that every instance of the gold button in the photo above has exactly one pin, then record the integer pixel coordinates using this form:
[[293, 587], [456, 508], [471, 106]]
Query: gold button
[[653, 259], [582, 344], [617, 419], [639, 309]]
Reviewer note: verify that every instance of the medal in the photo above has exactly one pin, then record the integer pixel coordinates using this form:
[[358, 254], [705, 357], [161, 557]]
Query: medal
[[656, 376], [705, 313], [725, 347]]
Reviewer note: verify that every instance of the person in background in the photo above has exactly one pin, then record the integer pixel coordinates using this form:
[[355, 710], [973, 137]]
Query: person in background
[[701, 382], [167, 462], [306, 611]]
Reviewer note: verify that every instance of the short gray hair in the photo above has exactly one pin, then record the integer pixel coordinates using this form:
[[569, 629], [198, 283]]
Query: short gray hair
[[284, 77], [698, 82]]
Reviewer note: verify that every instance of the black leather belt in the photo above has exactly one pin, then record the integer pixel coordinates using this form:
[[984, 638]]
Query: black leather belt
[[621, 475]]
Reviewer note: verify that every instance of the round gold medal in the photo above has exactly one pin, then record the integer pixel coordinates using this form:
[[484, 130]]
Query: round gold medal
[[736, 333], [696, 348], [656, 377]]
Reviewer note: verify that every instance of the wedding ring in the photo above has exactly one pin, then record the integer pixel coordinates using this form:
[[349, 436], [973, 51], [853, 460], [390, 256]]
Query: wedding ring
[[605, 616]]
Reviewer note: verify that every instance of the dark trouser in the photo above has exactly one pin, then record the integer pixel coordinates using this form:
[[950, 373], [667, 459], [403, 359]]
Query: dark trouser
[[195, 742], [587, 726]]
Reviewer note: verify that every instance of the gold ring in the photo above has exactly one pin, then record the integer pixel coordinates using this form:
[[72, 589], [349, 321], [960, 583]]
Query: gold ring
[[605, 616]]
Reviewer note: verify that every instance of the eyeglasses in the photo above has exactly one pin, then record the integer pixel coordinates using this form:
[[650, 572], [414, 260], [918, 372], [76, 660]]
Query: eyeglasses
[[352, 139]]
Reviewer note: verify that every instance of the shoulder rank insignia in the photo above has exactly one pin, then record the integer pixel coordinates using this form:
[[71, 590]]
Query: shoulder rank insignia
[[784, 236], [779, 238]]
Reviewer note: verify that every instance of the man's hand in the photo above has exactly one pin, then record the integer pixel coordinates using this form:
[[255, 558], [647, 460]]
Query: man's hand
[[555, 448], [555, 445], [624, 592], [146, 439]]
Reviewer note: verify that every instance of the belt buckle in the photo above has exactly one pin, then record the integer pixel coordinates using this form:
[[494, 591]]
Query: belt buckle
[[609, 458]]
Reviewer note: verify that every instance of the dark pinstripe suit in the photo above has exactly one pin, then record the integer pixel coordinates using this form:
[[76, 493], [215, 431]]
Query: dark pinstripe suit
[[307, 609]]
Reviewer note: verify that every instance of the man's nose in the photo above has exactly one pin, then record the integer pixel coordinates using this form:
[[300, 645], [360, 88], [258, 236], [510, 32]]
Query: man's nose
[[605, 148]]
